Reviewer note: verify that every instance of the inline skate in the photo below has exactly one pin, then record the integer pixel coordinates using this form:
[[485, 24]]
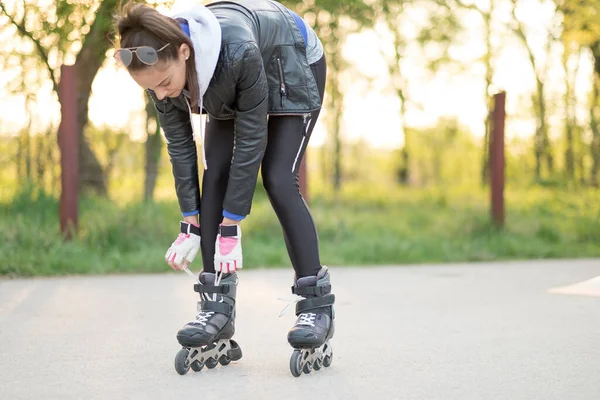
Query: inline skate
[[315, 324], [207, 340]]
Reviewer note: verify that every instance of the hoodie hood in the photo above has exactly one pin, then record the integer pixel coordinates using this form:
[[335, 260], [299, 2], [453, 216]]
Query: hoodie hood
[[205, 34]]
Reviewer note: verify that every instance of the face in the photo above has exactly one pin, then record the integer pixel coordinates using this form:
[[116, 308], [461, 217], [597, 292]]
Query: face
[[165, 78]]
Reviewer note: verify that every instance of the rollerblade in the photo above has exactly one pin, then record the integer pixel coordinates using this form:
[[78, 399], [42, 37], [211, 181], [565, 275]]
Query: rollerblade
[[314, 326], [207, 339]]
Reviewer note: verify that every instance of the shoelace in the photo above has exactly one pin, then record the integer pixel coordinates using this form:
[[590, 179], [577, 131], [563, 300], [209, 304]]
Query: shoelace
[[203, 317], [291, 301], [306, 319]]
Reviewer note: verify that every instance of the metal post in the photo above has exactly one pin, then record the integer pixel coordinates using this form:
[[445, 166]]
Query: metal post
[[496, 158], [68, 141]]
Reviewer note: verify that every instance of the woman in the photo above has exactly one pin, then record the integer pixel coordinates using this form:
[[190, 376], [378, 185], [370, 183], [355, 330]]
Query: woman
[[258, 71]]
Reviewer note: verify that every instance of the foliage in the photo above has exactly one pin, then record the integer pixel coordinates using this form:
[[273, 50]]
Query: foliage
[[580, 21], [442, 214], [362, 225]]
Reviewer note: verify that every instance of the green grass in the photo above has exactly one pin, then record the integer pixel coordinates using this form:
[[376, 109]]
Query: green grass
[[360, 226]]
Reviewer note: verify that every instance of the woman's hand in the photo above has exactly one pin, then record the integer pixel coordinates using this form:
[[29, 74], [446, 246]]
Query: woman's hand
[[228, 247], [185, 248]]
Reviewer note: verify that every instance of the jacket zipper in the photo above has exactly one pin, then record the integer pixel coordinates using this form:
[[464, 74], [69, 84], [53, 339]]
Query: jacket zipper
[[282, 89]]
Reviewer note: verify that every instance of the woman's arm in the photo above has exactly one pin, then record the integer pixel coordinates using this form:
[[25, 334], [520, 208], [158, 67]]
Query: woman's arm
[[250, 132], [181, 147]]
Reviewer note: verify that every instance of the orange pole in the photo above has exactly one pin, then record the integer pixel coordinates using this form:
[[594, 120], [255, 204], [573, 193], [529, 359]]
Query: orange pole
[[68, 141], [496, 159]]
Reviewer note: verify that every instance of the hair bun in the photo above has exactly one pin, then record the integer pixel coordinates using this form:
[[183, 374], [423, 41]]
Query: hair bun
[[131, 17]]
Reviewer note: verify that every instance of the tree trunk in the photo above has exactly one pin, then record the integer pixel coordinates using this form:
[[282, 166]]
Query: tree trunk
[[27, 145], [485, 164], [541, 146], [581, 167], [391, 12], [595, 144], [153, 149], [569, 153], [40, 166], [335, 107], [50, 156], [546, 145], [542, 143], [569, 121], [489, 74], [404, 168], [88, 62], [19, 156]]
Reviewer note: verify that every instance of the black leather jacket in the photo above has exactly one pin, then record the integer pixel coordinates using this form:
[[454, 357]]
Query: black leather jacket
[[262, 69]]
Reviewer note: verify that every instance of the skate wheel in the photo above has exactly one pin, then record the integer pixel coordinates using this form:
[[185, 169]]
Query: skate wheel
[[296, 363], [327, 360], [235, 353], [224, 360], [317, 364], [211, 363], [196, 366], [181, 362], [307, 368]]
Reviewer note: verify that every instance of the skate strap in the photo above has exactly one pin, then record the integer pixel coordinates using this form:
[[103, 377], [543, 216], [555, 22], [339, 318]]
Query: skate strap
[[312, 290], [221, 308], [314, 302], [222, 289]]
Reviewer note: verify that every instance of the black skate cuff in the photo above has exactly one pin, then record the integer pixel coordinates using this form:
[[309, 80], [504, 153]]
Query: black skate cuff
[[314, 302], [189, 228], [312, 290], [221, 289]]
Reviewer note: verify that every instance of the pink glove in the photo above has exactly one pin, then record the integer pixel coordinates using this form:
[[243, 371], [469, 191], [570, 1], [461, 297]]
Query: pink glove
[[185, 248], [228, 249]]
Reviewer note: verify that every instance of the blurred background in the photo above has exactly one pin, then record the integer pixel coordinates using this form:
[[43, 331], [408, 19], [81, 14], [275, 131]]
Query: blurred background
[[397, 169]]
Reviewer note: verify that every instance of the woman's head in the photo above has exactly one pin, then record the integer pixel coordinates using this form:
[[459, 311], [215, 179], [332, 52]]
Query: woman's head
[[157, 53]]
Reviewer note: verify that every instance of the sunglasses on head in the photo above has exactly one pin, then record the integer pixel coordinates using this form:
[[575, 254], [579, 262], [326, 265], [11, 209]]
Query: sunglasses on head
[[146, 54]]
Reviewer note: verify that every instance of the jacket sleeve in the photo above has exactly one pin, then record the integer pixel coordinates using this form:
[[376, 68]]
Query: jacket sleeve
[[250, 135], [181, 147]]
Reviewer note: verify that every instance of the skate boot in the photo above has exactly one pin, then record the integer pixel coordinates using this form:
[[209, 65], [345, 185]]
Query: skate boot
[[315, 324], [207, 339]]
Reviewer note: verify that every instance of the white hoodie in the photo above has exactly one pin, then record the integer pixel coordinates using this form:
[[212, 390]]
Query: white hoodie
[[205, 34]]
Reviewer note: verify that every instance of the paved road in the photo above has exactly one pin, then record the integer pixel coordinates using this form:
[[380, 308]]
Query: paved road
[[463, 331]]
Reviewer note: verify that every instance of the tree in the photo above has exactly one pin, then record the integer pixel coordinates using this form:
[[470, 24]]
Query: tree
[[391, 12], [542, 145], [57, 33], [153, 149], [436, 34], [581, 29], [486, 12], [332, 20]]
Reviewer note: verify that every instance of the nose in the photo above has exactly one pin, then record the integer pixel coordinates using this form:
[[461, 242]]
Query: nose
[[161, 93]]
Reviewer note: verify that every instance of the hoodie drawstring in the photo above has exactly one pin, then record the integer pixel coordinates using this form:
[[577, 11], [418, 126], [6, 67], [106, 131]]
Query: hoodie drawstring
[[201, 130]]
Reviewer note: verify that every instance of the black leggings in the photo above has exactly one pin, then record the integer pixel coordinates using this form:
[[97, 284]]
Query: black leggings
[[287, 140]]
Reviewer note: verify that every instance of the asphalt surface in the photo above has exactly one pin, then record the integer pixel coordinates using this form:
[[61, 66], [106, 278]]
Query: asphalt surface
[[460, 331]]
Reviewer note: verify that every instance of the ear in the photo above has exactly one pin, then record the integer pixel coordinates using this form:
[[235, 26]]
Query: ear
[[184, 51]]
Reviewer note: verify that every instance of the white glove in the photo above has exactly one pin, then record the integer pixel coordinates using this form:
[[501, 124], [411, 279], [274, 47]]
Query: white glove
[[228, 249], [185, 248]]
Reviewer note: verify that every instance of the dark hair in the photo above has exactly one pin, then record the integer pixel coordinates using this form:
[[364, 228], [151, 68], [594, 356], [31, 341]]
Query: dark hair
[[137, 24]]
